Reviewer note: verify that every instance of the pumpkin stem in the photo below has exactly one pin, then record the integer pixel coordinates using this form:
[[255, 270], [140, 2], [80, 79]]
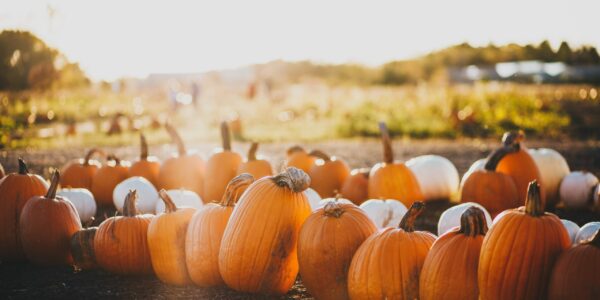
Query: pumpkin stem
[[294, 149], [533, 204], [176, 138], [513, 138], [320, 154], [233, 187], [408, 221], [292, 178], [497, 155], [225, 136], [89, 154], [388, 153], [169, 204], [333, 209], [252, 151], [472, 222], [129, 207], [23, 167], [51, 194], [143, 147]]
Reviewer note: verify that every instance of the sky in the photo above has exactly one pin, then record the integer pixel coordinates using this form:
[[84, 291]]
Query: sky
[[115, 38]]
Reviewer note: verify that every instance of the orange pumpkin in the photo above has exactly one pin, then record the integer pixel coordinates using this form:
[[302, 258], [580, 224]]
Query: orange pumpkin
[[493, 190], [82, 248], [221, 167], [147, 167], [166, 242], [80, 173], [46, 226], [121, 243], [520, 166], [393, 179], [450, 269], [575, 274], [107, 178], [328, 240], [356, 186], [259, 248], [327, 174], [258, 168], [16, 189], [519, 251], [388, 264], [185, 170], [298, 157], [205, 232]]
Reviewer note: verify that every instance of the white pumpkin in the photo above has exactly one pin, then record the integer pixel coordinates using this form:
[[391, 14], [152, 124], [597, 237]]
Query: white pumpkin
[[477, 165], [313, 198], [83, 200], [553, 168], [450, 218], [323, 202], [587, 231], [576, 189], [181, 198], [572, 229], [384, 213], [437, 176], [147, 194]]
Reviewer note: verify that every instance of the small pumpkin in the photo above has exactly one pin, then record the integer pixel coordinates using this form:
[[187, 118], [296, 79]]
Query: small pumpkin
[[121, 243], [437, 176], [393, 179], [205, 231], [107, 178], [586, 232], [577, 189], [553, 168], [388, 264], [450, 269], [572, 228], [147, 195], [82, 248], [327, 174], [313, 198], [520, 249], [46, 226], [221, 167], [384, 213], [298, 157], [356, 186], [452, 216], [16, 189], [259, 247], [328, 239], [80, 173], [181, 198], [82, 200], [258, 168], [166, 242], [148, 166]]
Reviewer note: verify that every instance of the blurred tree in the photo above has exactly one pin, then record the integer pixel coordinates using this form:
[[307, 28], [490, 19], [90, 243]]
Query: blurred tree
[[564, 53], [545, 52]]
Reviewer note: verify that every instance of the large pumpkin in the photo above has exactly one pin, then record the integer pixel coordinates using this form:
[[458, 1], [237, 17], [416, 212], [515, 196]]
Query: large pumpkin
[[107, 178], [46, 226], [259, 248], [205, 231], [393, 179], [183, 170], [328, 240], [221, 167], [553, 168], [148, 166], [82, 248], [121, 243], [254, 166], [79, 173], [437, 176], [388, 264], [450, 269], [15, 190], [327, 174], [298, 157], [356, 186], [519, 251], [166, 242]]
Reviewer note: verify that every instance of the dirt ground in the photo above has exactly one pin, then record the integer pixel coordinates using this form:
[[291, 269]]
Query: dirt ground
[[24, 281]]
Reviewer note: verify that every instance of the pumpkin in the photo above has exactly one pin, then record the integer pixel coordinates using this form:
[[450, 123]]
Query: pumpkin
[[82, 248], [298, 157], [82, 200], [259, 247], [327, 174], [221, 167], [121, 243], [493, 190], [477, 165], [258, 168], [575, 274], [80, 173], [107, 178], [148, 166], [205, 231], [356, 186], [313, 198], [393, 179], [519, 251], [577, 189], [384, 213], [166, 242], [450, 269], [181, 198], [328, 239], [147, 196], [452, 216], [586, 232], [572, 229], [183, 170], [337, 198], [520, 166], [46, 226], [553, 168], [388, 264], [436, 175], [16, 189]]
